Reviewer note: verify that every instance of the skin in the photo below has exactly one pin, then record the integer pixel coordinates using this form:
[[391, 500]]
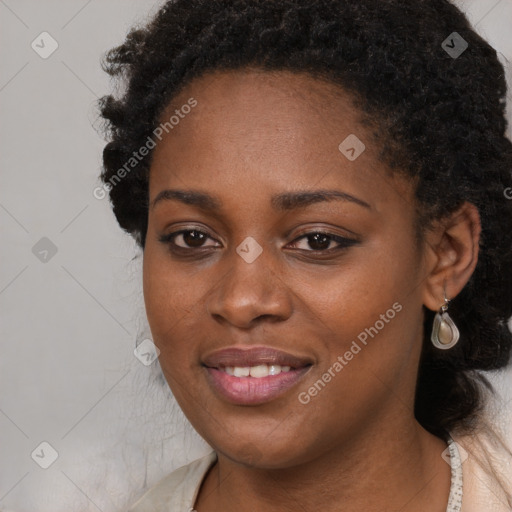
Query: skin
[[254, 134]]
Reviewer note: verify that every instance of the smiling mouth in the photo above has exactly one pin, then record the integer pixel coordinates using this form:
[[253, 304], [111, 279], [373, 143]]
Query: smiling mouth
[[253, 376]]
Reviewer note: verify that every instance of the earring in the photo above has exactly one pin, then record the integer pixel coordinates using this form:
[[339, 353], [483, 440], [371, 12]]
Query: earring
[[445, 334]]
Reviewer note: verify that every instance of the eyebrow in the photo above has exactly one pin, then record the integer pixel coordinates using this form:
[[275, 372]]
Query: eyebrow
[[282, 202]]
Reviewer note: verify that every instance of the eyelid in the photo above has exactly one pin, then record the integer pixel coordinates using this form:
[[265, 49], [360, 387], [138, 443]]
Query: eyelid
[[330, 230], [342, 241], [326, 230]]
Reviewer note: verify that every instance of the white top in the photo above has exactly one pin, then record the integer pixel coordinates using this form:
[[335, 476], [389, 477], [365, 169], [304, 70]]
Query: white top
[[472, 488]]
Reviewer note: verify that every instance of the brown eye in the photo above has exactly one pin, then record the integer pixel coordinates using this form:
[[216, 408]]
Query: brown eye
[[321, 242], [187, 239], [194, 238]]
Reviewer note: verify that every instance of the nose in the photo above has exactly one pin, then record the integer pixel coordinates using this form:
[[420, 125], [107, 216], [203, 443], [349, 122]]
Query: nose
[[249, 293]]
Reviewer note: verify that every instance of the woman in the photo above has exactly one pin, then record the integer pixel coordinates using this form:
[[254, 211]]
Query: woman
[[320, 192]]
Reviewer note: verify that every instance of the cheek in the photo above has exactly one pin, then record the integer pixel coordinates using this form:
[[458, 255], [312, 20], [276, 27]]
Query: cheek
[[169, 293], [369, 314], [355, 295], [171, 307], [166, 302]]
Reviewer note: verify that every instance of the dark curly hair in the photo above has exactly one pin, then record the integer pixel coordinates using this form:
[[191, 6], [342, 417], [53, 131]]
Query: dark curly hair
[[437, 118]]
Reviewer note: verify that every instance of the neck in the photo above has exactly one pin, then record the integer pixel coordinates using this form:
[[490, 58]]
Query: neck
[[399, 467]]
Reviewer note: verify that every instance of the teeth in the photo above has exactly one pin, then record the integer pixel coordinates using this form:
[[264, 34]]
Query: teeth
[[262, 370], [241, 372], [274, 369]]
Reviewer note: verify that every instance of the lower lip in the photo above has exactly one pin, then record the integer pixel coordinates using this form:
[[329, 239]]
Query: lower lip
[[251, 390]]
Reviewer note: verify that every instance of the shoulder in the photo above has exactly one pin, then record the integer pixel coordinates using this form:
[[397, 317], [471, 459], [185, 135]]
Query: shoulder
[[487, 472], [178, 490]]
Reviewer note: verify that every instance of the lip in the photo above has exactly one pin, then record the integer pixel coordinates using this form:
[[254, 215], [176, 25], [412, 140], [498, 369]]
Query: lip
[[236, 356], [251, 390]]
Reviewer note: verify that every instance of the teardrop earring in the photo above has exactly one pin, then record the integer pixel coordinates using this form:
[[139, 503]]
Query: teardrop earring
[[445, 334]]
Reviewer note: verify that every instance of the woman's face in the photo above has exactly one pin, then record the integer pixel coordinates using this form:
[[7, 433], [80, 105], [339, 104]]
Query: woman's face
[[292, 250]]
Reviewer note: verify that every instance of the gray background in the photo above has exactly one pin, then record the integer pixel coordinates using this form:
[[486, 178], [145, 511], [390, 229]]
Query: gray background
[[69, 325]]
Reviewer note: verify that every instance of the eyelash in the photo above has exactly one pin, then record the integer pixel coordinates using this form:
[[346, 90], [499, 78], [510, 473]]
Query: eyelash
[[343, 242]]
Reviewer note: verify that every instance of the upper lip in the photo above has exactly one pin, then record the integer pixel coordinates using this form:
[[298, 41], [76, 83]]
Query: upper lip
[[254, 356]]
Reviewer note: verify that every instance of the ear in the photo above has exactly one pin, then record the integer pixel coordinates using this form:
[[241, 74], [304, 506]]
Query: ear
[[451, 255]]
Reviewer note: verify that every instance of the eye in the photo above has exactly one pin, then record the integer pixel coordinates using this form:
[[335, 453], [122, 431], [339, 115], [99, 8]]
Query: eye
[[319, 241], [187, 239], [315, 241]]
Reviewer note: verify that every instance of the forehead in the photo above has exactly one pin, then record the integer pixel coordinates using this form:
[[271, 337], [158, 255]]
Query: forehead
[[253, 101], [256, 125]]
